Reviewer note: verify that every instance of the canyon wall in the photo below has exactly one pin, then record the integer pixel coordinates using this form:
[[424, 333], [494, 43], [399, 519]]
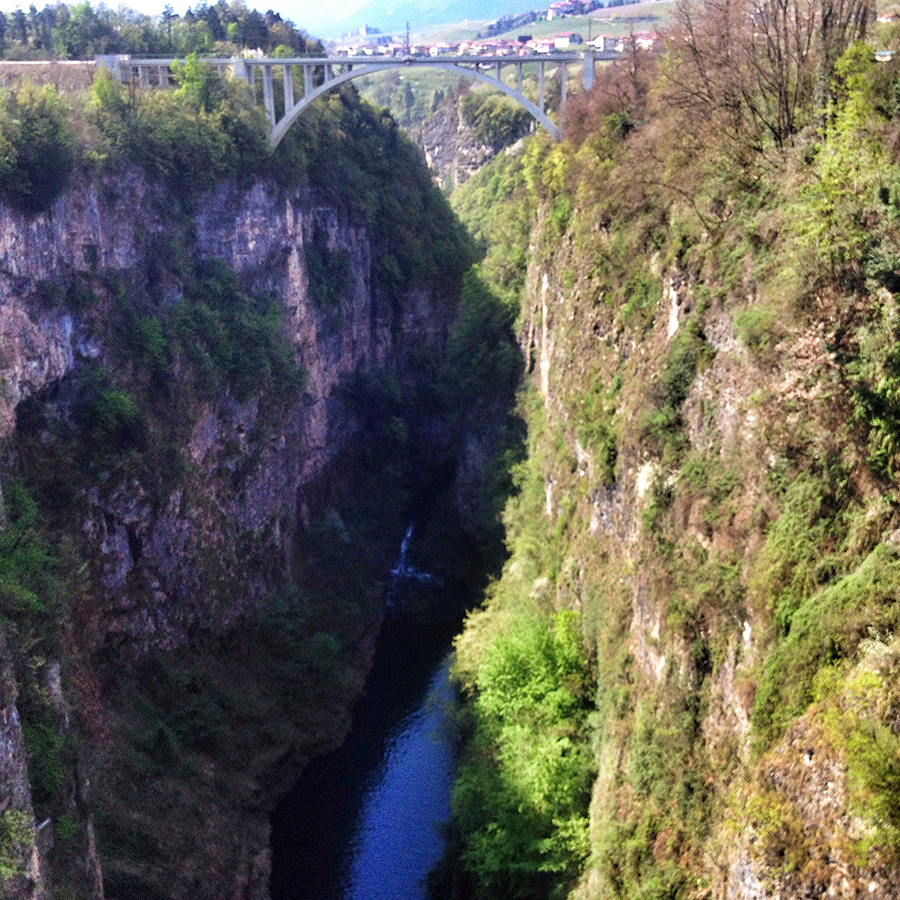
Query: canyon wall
[[186, 534], [668, 567], [709, 490]]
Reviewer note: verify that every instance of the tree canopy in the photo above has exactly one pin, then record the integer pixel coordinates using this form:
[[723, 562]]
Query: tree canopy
[[81, 31]]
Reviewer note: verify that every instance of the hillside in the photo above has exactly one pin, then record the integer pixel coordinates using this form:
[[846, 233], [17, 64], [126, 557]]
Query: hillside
[[684, 682], [392, 17]]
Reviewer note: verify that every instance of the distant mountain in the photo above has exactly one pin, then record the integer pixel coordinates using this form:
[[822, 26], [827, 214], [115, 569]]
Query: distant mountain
[[391, 16]]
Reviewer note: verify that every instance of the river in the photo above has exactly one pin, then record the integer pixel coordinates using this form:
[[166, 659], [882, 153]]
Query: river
[[363, 823]]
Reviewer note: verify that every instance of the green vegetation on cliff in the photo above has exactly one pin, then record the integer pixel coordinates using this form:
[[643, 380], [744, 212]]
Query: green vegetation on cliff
[[210, 130], [37, 154], [706, 301]]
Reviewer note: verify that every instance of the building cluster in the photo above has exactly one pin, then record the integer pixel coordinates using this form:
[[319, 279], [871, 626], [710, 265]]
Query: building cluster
[[524, 45], [372, 43], [563, 8]]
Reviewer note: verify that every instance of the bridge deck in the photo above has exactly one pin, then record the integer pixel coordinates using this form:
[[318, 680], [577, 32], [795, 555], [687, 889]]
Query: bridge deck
[[407, 60]]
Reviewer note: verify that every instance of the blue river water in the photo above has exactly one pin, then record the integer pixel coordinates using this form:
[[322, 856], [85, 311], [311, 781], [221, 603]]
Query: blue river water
[[364, 822], [397, 839]]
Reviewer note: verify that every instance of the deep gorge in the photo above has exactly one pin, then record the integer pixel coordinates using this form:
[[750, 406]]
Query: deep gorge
[[650, 399]]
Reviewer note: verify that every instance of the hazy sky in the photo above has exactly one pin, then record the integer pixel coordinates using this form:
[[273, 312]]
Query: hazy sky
[[310, 14]]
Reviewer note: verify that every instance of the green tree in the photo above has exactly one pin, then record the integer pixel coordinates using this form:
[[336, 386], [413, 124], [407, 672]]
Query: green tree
[[833, 215], [36, 150], [521, 796]]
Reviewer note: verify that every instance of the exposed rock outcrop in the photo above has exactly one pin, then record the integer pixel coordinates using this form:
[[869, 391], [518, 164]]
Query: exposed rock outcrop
[[450, 147], [181, 551]]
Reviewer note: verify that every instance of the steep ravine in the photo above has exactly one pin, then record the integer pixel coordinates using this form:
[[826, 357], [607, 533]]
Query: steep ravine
[[173, 702]]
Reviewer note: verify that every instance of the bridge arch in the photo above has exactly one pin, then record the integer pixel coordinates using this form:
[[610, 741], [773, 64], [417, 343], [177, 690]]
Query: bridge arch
[[157, 72], [281, 128]]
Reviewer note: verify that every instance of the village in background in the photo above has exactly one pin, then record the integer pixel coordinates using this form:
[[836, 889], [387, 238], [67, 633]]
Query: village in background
[[370, 42]]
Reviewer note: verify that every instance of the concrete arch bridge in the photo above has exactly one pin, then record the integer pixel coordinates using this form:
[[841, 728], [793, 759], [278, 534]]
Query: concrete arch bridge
[[321, 75]]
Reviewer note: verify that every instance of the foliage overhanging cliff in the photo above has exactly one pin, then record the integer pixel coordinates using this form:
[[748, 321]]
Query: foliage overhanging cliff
[[704, 276]]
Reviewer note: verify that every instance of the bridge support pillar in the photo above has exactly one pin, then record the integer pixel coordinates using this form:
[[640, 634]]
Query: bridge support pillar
[[288, 87], [268, 94], [541, 87], [112, 62], [588, 70], [307, 80]]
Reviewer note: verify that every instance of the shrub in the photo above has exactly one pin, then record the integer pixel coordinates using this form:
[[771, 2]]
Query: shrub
[[496, 121], [36, 150], [330, 271], [826, 629], [26, 565], [522, 790], [233, 337], [758, 328], [642, 294], [595, 429], [689, 353], [46, 771], [110, 417], [16, 840]]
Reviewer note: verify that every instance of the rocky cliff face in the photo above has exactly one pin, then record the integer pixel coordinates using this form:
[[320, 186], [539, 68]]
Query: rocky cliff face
[[672, 550], [153, 541], [182, 549], [450, 147]]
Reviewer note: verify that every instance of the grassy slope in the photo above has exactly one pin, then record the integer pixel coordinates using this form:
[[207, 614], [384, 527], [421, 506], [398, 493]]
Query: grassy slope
[[618, 20]]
